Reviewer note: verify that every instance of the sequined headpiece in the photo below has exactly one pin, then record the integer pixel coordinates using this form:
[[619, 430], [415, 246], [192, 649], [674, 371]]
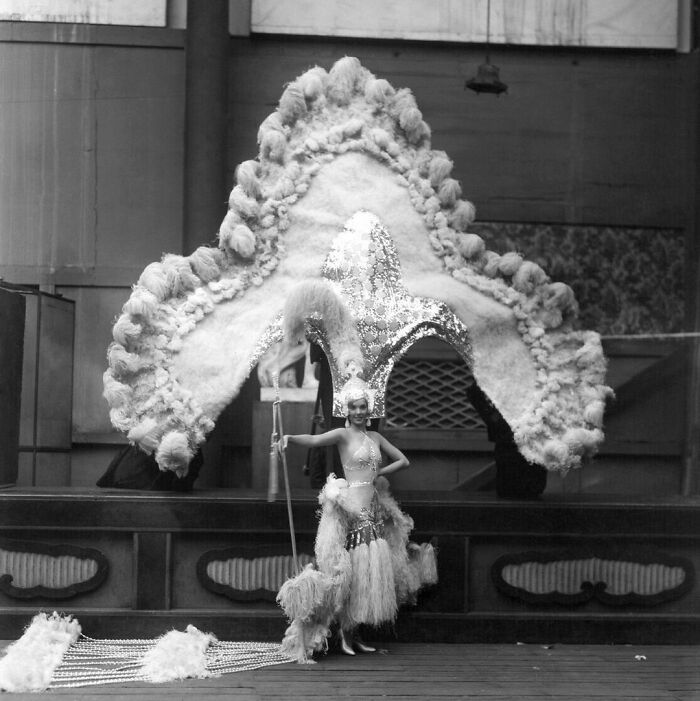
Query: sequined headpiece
[[354, 390], [363, 270]]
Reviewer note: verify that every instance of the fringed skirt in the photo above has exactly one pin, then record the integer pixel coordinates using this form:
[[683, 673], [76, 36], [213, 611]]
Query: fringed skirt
[[372, 597]]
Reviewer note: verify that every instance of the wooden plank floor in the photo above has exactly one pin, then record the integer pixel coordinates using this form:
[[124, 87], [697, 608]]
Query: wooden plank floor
[[443, 672]]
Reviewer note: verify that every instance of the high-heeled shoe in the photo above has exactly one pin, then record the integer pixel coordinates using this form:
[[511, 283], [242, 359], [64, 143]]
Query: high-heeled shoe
[[363, 647], [345, 646]]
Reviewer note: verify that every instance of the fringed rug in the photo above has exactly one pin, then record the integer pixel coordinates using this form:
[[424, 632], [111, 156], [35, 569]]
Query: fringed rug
[[53, 653]]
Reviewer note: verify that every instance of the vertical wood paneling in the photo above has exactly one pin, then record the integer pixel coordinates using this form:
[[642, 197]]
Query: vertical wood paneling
[[152, 570], [47, 142], [95, 310]]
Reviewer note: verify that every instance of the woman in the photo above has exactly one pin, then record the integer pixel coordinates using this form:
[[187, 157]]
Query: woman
[[365, 566]]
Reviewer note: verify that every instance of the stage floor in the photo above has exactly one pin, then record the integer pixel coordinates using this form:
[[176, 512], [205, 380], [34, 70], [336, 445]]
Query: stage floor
[[444, 672]]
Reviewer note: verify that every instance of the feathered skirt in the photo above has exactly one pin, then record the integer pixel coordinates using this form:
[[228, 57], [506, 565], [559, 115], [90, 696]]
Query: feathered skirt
[[365, 569]]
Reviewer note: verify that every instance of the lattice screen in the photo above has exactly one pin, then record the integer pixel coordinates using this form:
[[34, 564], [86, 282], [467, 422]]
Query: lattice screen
[[430, 394]]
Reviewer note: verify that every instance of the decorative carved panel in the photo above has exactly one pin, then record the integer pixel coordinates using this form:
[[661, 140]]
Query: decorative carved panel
[[249, 573], [568, 578], [31, 570]]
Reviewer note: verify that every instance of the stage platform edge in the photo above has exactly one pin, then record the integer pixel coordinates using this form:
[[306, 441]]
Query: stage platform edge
[[560, 569]]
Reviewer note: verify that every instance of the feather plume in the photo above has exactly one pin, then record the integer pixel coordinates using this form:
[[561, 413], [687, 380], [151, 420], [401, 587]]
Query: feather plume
[[292, 104], [462, 215], [449, 192], [440, 168], [247, 176], [29, 663], [174, 453], [206, 262], [178, 655], [146, 434], [343, 79]]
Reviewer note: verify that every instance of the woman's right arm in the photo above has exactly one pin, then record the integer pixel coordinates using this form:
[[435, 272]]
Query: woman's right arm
[[317, 440]]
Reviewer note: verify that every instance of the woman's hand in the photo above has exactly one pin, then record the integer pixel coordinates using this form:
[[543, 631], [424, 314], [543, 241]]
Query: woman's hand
[[283, 442]]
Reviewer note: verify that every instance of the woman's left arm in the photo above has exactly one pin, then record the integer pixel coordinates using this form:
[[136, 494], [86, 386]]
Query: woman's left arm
[[400, 461]]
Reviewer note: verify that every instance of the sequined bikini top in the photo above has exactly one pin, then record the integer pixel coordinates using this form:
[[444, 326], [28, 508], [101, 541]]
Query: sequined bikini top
[[366, 457]]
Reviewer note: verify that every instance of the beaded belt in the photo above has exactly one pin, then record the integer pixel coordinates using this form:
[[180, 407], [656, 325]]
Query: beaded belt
[[366, 528]]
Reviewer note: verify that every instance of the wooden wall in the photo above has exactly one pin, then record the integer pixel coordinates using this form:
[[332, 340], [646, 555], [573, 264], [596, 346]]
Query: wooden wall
[[595, 137], [91, 143]]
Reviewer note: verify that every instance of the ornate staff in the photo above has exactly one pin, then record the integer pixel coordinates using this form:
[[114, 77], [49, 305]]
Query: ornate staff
[[276, 448]]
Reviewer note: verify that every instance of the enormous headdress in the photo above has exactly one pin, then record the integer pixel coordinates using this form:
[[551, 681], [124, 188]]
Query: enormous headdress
[[340, 142]]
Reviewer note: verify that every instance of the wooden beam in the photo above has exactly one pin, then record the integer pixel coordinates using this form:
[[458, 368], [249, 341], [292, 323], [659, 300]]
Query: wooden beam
[[206, 78], [690, 477]]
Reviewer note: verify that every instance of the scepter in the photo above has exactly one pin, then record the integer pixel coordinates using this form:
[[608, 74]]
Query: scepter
[[276, 448]]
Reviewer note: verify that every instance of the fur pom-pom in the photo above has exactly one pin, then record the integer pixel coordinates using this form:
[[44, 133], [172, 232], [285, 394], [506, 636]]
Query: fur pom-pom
[[590, 353], [582, 441], [273, 122], [142, 303], [491, 261], [247, 176], [509, 263], [313, 82], [440, 168], [410, 119], [155, 280], [206, 263], [174, 453], [120, 418], [381, 137], [594, 413], [471, 246], [353, 127], [462, 215], [403, 100], [292, 104], [559, 295], [556, 454], [116, 393], [146, 434], [240, 240], [121, 361], [178, 655], [378, 91], [273, 145], [449, 192], [245, 206], [179, 273], [284, 187], [528, 277], [125, 330], [343, 79], [419, 134]]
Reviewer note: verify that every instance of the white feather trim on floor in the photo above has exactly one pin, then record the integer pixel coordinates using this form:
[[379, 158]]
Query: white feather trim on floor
[[29, 663], [52, 653]]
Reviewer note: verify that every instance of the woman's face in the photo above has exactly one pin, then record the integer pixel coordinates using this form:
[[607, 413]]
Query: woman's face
[[357, 412]]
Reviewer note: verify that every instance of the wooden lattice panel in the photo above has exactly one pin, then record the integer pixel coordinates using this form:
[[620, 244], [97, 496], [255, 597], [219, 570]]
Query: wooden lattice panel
[[430, 394]]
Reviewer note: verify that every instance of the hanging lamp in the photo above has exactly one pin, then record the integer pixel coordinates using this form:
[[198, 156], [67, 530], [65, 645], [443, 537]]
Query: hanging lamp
[[487, 75]]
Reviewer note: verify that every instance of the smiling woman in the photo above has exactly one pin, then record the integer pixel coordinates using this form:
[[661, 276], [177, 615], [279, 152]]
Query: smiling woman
[[366, 565]]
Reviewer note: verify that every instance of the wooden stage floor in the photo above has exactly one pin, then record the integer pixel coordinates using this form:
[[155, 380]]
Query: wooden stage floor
[[443, 672]]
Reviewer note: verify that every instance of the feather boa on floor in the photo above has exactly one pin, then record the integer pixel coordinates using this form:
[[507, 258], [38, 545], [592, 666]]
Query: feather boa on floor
[[52, 654], [320, 596]]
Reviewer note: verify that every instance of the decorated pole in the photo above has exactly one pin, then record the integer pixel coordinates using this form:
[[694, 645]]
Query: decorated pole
[[278, 447]]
